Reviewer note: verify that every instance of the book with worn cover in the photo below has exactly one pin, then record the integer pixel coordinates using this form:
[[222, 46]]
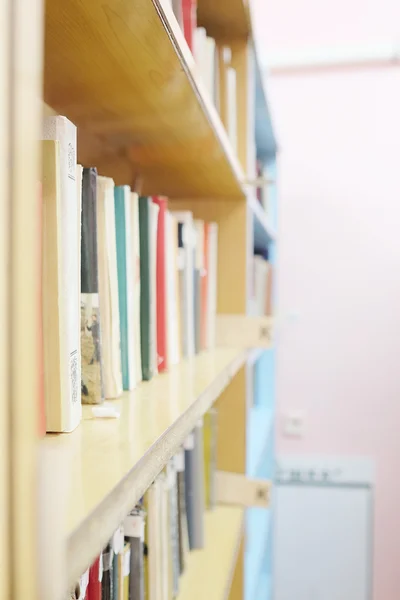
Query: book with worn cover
[[91, 361], [108, 287], [60, 279]]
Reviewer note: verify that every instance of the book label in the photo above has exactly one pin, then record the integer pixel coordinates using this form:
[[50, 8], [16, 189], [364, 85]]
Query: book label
[[188, 444], [127, 562], [179, 460], [118, 540], [83, 583], [134, 526]]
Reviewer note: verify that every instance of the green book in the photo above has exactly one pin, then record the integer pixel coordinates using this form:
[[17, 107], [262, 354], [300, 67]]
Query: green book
[[145, 293]]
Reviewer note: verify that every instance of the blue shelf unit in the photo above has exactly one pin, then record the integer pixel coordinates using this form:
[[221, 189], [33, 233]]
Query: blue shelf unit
[[260, 460]]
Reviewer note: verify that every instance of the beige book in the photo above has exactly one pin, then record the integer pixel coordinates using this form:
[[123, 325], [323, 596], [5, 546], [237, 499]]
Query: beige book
[[108, 287], [136, 280]]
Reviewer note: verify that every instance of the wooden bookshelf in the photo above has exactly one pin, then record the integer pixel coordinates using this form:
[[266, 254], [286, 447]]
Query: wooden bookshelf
[[109, 463], [225, 19], [209, 572], [125, 76]]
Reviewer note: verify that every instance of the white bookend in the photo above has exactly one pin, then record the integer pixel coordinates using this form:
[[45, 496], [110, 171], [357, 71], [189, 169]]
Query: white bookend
[[108, 287], [136, 283], [60, 129]]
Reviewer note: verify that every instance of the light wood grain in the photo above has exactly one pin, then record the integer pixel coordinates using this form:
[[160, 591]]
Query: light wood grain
[[236, 489], [225, 19], [123, 73], [5, 223], [110, 463], [25, 90], [209, 572], [241, 330]]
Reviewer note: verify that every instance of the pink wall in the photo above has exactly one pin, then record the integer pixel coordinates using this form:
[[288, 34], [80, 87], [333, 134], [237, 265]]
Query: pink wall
[[339, 251]]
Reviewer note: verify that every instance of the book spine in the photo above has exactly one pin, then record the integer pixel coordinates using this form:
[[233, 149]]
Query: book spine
[[93, 591], [194, 489], [161, 285], [154, 211], [145, 310], [91, 353], [120, 230], [136, 284], [107, 579], [134, 531], [61, 129]]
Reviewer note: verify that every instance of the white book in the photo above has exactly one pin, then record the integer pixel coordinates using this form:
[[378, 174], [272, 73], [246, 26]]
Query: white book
[[231, 109], [108, 287], [261, 268], [173, 343], [212, 285], [62, 130], [205, 57], [154, 210], [136, 283], [187, 268]]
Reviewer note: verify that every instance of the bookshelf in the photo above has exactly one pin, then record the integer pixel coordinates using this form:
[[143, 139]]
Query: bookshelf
[[124, 74]]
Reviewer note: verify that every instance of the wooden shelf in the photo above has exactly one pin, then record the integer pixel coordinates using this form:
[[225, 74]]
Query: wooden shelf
[[123, 73], [225, 19], [109, 463], [209, 572]]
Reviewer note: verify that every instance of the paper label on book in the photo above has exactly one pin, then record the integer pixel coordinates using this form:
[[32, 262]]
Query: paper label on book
[[127, 562], [118, 540], [107, 560], [83, 583], [179, 460], [134, 526], [188, 444], [101, 568]]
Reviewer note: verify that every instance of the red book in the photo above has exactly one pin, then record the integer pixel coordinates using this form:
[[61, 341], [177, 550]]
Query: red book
[[161, 286], [204, 290], [93, 591], [189, 9], [41, 402]]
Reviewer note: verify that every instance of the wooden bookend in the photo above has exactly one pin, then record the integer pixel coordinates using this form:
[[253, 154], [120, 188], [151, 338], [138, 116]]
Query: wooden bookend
[[242, 331], [239, 490]]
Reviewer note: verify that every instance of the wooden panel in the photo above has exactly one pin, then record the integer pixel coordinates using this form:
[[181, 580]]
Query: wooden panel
[[232, 248], [224, 19], [5, 77], [237, 587], [238, 330], [123, 73], [110, 463], [231, 405], [25, 91], [241, 62], [208, 574]]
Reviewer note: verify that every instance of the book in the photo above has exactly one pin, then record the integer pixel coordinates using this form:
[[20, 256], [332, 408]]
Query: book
[[40, 353], [197, 282], [124, 568], [123, 224], [107, 592], [172, 286], [204, 289], [210, 457], [189, 8], [260, 296], [186, 279], [60, 279], [194, 487], [231, 108], [91, 361], [136, 284], [174, 566], [134, 526], [93, 591], [148, 215], [161, 282], [152, 536], [183, 536], [204, 51], [212, 279], [108, 287]]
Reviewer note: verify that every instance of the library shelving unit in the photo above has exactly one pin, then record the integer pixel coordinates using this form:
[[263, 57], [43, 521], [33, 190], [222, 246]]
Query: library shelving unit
[[122, 72]]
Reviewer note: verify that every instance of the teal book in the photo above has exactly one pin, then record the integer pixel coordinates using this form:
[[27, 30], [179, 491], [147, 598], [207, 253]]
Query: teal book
[[123, 225]]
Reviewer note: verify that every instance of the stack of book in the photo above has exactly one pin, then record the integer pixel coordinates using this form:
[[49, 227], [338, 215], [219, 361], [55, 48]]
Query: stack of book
[[148, 553], [128, 286]]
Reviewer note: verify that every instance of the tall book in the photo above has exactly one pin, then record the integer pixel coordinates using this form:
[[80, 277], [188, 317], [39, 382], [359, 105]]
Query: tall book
[[211, 315], [107, 588], [183, 537], [210, 457], [91, 362], [189, 10], [60, 272], [148, 215], [194, 487], [204, 289], [197, 283], [40, 354], [186, 275], [172, 284], [124, 569], [152, 536], [108, 287], [136, 284], [161, 295], [134, 526], [123, 224], [93, 591]]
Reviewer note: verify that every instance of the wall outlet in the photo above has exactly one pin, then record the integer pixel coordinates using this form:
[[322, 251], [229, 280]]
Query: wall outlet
[[293, 424]]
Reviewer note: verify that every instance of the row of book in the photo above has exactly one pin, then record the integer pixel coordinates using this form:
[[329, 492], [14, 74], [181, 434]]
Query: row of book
[[148, 553], [214, 63], [128, 287], [261, 270]]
